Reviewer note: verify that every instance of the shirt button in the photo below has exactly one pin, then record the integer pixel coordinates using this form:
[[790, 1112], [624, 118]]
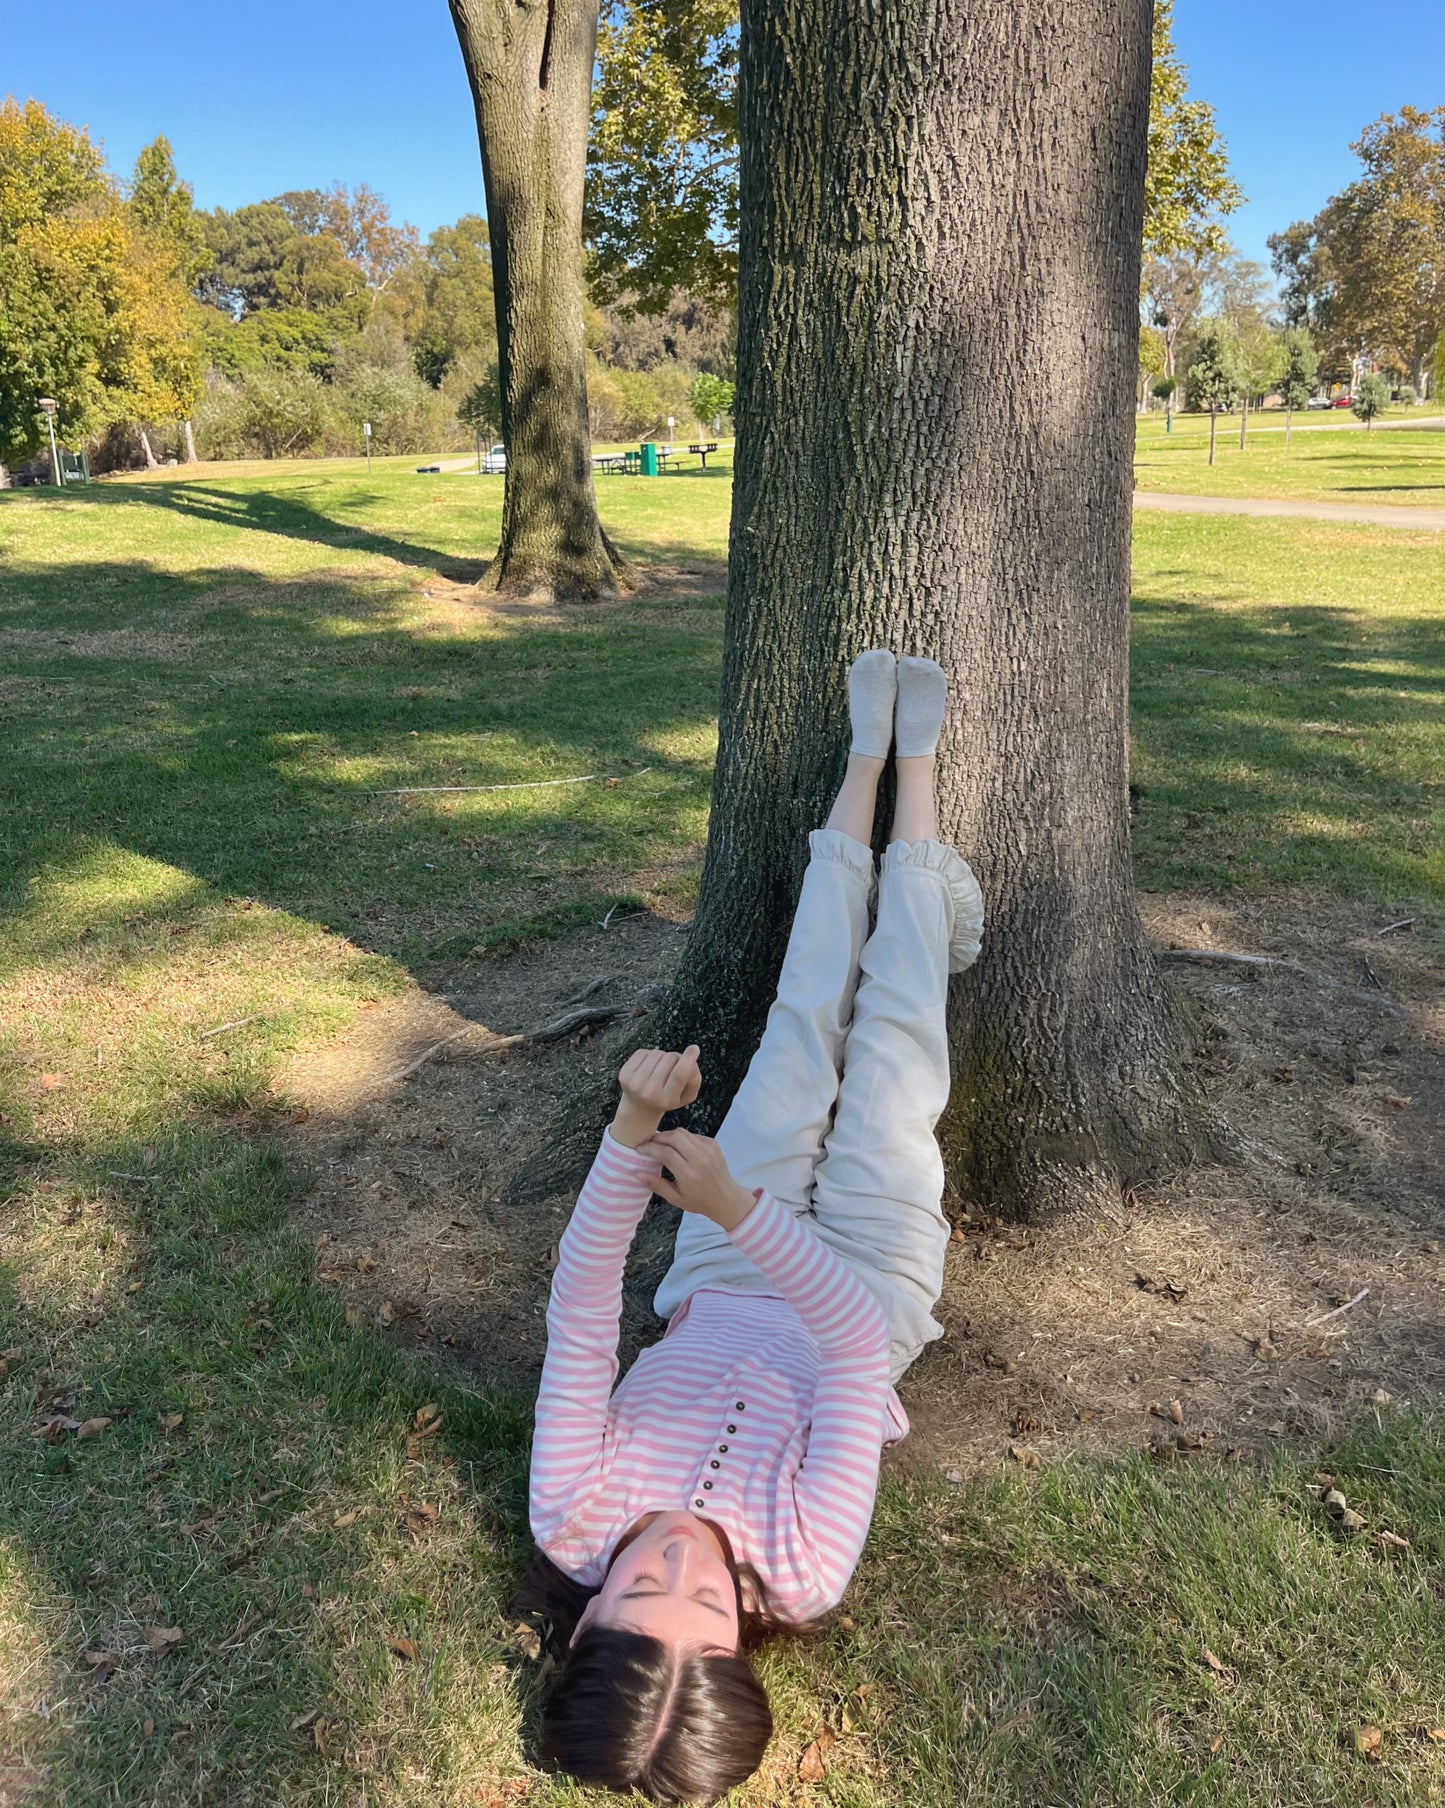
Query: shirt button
[[732, 1427], [714, 1464], [707, 1484], [722, 1449], [699, 1503], [741, 1405]]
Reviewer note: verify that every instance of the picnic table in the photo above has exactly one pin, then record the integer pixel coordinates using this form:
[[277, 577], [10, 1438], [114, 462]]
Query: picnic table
[[667, 455], [702, 450], [629, 463]]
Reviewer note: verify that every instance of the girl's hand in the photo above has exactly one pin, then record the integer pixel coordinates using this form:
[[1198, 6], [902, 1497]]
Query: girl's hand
[[654, 1081], [696, 1177]]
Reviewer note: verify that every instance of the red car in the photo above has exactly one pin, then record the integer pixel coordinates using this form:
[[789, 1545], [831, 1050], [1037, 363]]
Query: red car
[[1343, 401]]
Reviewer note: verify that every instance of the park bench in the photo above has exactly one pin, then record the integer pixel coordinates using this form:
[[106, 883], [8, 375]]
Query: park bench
[[702, 449]]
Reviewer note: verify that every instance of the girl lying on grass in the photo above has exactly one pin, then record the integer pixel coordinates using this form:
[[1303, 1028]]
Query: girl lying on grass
[[722, 1493]]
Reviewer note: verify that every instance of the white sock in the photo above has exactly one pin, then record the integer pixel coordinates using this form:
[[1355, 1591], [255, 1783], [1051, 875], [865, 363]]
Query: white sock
[[922, 693], [872, 686]]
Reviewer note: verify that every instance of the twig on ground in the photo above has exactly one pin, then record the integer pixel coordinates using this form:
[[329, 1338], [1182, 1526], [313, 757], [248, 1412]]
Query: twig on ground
[[1288, 966], [1310, 1323], [115, 1174], [239, 1023], [525, 784], [591, 990], [1390, 928], [585, 1017], [1371, 976], [436, 1048]]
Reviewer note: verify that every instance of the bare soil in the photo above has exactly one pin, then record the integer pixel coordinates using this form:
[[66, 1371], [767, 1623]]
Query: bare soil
[[1203, 1314]]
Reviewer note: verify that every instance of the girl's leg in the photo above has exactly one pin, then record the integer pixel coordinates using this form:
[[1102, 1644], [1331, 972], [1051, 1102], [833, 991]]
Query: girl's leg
[[773, 1133], [878, 1188]]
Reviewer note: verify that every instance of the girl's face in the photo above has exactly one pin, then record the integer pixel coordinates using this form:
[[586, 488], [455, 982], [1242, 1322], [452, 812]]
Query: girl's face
[[671, 1583]]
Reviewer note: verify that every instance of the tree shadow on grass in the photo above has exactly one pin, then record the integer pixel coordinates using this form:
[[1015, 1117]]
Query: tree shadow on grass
[[1285, 744], [285, 514], [246, 732]]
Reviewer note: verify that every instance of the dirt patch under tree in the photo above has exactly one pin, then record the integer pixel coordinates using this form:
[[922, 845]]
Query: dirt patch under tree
[[1201, 1315]]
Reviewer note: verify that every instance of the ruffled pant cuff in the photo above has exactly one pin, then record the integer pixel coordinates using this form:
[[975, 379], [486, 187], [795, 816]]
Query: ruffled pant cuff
[[966, 936]]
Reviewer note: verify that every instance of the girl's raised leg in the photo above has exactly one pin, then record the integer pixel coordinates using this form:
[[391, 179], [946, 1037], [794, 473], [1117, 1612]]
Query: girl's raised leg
[[773, 1133], [878, 1188]]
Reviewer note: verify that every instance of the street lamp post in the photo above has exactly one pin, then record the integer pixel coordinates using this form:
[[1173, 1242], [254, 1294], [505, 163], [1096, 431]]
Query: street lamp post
[[48, 406]]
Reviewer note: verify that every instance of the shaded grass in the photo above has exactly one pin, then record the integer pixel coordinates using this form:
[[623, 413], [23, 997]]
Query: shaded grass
[[205, 688]]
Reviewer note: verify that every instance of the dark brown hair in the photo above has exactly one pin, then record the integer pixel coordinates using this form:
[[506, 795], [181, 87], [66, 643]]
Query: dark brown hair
[[629, 1713]]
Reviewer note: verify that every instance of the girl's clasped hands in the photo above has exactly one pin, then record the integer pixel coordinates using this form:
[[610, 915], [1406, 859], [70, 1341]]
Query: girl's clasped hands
[[695, 1175]]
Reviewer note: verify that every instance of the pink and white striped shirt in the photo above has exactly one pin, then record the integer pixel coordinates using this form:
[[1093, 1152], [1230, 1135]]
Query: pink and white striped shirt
[[764, 1411]]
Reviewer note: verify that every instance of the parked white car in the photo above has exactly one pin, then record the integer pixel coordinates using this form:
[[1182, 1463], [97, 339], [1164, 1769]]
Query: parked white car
[[495, 461]]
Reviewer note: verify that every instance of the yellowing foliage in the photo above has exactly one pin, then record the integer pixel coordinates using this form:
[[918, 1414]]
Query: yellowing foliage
[[93, 307]]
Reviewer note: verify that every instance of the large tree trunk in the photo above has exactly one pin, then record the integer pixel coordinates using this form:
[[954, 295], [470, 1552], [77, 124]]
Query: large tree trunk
[[938, 327], [530, 67]]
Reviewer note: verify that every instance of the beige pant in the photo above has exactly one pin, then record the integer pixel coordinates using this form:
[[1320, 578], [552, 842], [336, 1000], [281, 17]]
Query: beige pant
[[836, 1115]]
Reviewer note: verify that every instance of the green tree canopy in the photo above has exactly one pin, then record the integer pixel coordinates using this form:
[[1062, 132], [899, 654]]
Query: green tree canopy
[[1369, 269], [1188, 186], [1299, 366], [163, 204], [458, 311], [1216, 376], [1372, 397]]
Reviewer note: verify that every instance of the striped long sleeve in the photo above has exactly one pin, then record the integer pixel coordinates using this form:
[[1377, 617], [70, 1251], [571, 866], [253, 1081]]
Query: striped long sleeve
[[836, 1483], [582, 1320]]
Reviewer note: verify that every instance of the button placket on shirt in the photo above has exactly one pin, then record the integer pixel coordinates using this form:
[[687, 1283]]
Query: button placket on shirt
[[722, 1450]]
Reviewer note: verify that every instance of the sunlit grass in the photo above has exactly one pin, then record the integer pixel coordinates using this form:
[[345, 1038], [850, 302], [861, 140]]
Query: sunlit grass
[[1324, 462]]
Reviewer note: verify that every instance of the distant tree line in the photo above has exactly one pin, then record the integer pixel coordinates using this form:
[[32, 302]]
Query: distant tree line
[[277, 328]]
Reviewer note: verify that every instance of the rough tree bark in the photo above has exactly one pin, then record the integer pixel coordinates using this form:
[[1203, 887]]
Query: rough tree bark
[[937, 342], [530, 67]]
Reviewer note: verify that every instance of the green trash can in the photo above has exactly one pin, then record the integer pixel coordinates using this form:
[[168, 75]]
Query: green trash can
[[649, 459]]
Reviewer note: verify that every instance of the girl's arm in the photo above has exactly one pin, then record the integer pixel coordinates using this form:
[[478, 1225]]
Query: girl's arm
[[834, 1488], [586, 1303]]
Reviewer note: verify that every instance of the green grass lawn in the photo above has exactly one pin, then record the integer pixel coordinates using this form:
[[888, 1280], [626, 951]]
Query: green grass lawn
[[207, 688], [1322, 463]]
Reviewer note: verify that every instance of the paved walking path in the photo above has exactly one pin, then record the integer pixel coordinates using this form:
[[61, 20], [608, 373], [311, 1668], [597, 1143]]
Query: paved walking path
[[1432, 520]]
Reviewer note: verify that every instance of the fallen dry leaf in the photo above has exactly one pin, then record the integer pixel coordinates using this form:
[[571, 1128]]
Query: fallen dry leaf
[[343, 1522], [528, 1641], [387, 1313], [995, 1359], [163, 1638], [302, 1720], [1176, 1412], [1086, 1415], [1029, 1458], [1369, 1741], [813, 1765], [171, 1421], [92, 1428], [355, 1317], [1024, 1421], [420, 1520], [429, 1420], [1392, 1101], [1435, 1734], [103, 1664], [49, 1082], [1394, 1541], [1221, 1669], [404, 1648], [148, 1728]]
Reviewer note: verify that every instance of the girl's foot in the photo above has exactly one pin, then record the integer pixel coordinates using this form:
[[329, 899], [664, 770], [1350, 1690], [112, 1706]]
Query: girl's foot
[[922, 694], [872, 689]]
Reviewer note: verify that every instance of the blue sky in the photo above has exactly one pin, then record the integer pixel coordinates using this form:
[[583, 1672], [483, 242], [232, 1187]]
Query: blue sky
[[265, 96]]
